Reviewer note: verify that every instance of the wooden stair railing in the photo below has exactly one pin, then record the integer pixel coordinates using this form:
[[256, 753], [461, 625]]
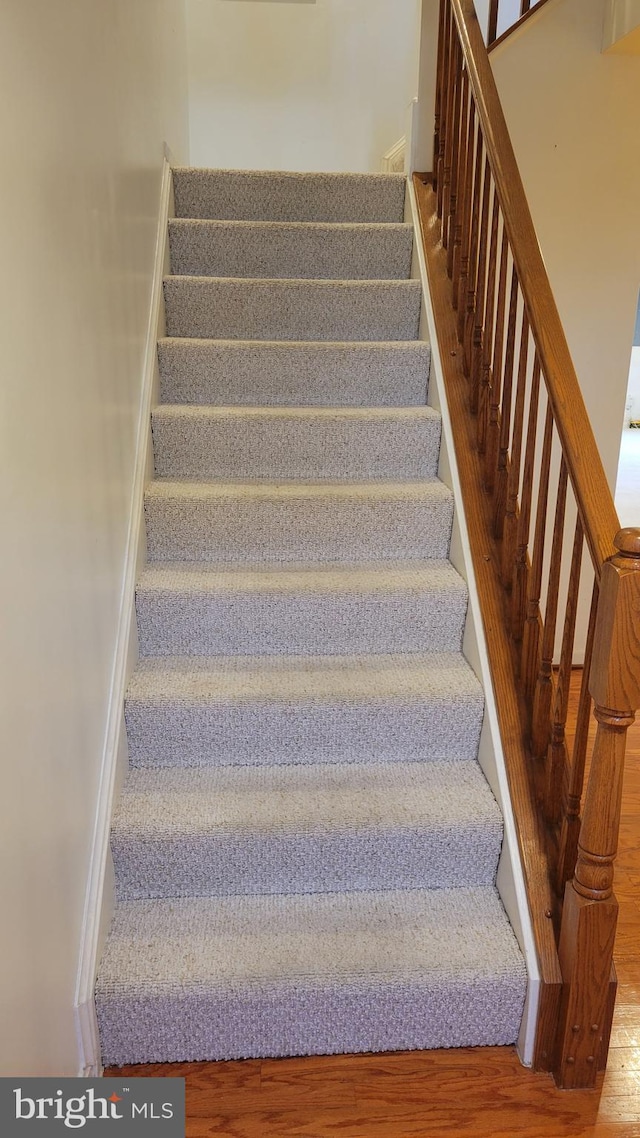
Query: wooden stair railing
[[527, 9], [546, 527]]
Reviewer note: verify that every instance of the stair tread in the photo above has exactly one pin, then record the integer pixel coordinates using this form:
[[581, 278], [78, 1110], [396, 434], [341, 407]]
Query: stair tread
[[261, 490], [170, 802], [357, 414], [175, 576], [186, 943], [443, 675]]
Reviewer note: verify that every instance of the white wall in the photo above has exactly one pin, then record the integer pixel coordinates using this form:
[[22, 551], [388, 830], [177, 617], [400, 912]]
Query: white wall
[[299, 86], [91, 89], [573, 117]]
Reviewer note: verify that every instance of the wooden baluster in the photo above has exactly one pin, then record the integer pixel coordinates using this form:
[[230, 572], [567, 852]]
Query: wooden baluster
[[477, 332], [590, 910], [466, 219], [492, 444], [489, 331], [531, 631], [453, 252], [500, 488], [568, 845], [442, 16], [520, 571], [541, 724], [474, 242], [524, 7], [456, 147], [449, 130], [444, 109], [492, 33], [510, 528], [557, 759]]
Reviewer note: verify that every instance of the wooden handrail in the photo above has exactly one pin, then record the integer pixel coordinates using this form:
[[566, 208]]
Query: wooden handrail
[[524, 397], [586, 471], [493, 39]]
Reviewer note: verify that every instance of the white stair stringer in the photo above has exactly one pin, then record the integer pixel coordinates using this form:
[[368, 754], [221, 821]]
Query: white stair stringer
[[305, 847]]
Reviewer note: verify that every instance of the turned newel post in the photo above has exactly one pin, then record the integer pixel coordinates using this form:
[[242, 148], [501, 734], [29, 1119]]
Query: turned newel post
[[590, 909]]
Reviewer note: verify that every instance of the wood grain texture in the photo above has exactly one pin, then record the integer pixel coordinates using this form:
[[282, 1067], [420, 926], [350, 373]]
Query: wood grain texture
[[467, 1093], [586, 472], [486, 559]]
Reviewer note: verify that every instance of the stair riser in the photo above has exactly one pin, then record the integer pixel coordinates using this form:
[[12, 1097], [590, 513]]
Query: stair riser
[[217, 250], [309, 1019], [273, 447], [264, 196], [193, 624], [254, 733], [327, 531], [292, 310], [293, 375], [250, 863]]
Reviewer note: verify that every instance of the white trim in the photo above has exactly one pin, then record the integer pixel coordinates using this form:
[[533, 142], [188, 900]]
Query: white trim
[[99, 898], [393, 162], [510, 880]]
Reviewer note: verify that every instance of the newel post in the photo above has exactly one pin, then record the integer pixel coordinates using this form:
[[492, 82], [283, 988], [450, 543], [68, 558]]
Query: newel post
[[590, 909]]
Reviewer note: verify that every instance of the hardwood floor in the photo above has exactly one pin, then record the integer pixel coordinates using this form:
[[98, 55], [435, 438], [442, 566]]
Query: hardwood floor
[[475, 1093]]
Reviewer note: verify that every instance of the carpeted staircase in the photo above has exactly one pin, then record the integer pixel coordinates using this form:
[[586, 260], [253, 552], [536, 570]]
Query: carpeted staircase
[[305, 849]]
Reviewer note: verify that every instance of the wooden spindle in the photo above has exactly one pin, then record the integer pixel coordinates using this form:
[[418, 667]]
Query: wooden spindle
[[510, 529], [492, 444], [492, 32], [466, 219], [489, 331], [456, 148], [500, 488], [557, 759], [449, 130], [531, 631], [442, 17], [521, 569], [479, 299], [472, 270], [590, 910], [568, 844], [453, 252], [541, 724], [444, 109]]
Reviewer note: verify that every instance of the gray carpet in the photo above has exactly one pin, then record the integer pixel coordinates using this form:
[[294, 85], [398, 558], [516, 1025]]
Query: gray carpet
[[346, 444], [257, 195], [298, 249], [305, 847], [191, 609], [229, 308], [290, 374], [214, 978]]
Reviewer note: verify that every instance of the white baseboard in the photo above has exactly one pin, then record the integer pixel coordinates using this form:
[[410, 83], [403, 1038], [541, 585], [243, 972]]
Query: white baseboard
[[510, 880], [99, 898]]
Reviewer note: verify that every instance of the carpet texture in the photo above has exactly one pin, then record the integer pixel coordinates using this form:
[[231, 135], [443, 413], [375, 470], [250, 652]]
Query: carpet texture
[[290, 374], [296, 443], [187, 609], [305, 847], [298, 249], [234, 309], [257, 195], [214, 978]]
